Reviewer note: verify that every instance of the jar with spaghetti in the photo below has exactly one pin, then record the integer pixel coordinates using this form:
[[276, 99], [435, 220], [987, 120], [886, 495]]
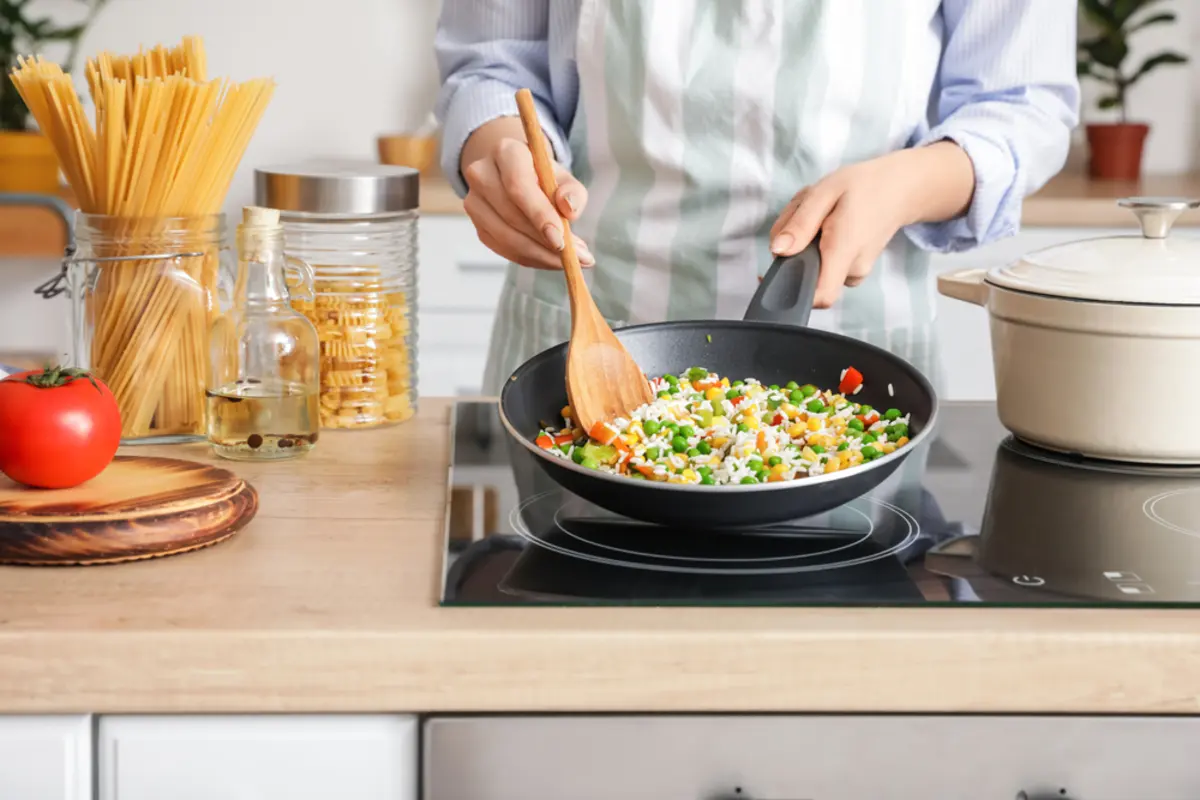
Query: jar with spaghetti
[[142, 300], [356, 225]]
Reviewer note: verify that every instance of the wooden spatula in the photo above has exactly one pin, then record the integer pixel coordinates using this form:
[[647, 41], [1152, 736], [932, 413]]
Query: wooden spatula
[[603, 380]]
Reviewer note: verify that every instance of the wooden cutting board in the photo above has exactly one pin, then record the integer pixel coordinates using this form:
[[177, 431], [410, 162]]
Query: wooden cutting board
[[137, 508]]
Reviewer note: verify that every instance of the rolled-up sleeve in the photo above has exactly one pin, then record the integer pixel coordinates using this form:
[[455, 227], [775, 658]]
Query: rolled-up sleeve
[[486, 51], [1009, 96]]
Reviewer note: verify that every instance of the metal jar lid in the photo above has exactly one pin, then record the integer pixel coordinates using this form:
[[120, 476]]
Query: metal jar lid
[[338, 188]]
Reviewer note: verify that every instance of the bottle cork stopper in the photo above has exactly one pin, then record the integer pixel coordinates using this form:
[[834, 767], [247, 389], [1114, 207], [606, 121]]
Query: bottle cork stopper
[[259, 217]]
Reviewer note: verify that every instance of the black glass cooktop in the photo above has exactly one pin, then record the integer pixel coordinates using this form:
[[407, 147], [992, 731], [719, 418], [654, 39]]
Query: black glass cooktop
[[974, 516]]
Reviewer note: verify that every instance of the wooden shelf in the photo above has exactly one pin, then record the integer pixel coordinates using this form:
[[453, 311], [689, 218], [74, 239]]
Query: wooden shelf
[[33, 231]]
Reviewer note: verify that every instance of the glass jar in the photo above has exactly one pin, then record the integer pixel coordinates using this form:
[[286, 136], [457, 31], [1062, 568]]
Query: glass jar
[[142, 299], [356, 225]]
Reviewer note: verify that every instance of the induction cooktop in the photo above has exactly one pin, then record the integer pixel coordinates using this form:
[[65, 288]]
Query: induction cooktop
[[973, 517]]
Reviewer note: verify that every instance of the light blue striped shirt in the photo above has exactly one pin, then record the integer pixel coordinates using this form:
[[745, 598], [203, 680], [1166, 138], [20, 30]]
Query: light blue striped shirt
[[1006, 92]]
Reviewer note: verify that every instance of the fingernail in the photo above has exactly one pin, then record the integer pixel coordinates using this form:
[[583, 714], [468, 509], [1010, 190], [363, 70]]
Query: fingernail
[[572, 203], [585, 255], [783, 242], [553, 236]]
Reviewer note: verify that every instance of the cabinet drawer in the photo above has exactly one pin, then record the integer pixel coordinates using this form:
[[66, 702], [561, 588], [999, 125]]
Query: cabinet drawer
[[46, 757], [457, 272], [297, 757]]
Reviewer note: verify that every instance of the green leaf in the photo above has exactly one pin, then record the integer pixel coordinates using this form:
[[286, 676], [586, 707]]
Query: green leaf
[[1099, 13], [62, 34], [1109, 51], [1083, 69], [1154, 62], [1108, 101]]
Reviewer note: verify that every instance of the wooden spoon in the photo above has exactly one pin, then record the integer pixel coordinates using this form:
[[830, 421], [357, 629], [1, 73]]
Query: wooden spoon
[[603, 380]]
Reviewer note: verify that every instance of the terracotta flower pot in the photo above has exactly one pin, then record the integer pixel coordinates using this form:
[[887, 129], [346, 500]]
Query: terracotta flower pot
[[27, 163], [1116, 150]]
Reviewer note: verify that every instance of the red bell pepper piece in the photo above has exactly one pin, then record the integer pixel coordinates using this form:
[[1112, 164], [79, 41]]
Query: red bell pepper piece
[[852, 381]]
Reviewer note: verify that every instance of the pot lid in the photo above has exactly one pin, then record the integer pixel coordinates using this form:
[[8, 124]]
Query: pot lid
[[1153, 268]]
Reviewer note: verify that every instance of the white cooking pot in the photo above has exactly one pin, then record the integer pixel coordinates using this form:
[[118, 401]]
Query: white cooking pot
[[1096, 343]]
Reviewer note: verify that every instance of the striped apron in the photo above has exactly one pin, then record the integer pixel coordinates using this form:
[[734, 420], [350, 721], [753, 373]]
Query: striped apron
[[698, 121]]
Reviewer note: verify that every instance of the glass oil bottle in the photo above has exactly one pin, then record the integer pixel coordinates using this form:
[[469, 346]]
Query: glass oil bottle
[[264, 383]]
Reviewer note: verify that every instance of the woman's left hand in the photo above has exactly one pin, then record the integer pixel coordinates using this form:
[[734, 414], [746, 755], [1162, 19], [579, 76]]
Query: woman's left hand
[[859, 208]]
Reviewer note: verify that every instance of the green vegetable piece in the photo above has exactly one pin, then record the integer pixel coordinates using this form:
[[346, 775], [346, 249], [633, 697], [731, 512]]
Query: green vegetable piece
[[706, 417], [589, 463], [892, 414], [796, 397], [652, 453], [577, 455], [604, 453], [693, 453], [808, 390], [749, 480], [774, 403], [870, 438], [792, 386], [843, 446], [651, 427], [738, 383], [704, 447], [707, 480], [671, 425], [732, 393], [664, 394], [815, 406], [816, 448], [565, 448], [774, 461], [687, 431], [870, 453], [774, 387], [679, 444], [705, 471], [743, 427], [697, 374], [671, 379], [894, 432], [856, 425]]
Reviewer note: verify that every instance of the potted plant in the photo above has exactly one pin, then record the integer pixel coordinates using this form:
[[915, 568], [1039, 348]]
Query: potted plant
[[27, 160], [1116, 147]]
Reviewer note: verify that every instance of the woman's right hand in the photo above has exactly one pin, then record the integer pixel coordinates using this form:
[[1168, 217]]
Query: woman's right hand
[[511, 213]]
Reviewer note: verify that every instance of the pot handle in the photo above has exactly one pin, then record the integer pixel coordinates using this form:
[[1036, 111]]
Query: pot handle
[[787, 290], [966, 285]]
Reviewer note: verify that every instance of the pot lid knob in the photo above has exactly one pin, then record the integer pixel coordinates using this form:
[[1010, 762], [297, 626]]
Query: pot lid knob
[[1158, 214]]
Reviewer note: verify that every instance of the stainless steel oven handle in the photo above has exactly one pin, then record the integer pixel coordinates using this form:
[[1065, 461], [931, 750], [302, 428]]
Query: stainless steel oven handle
[[1059, 795]]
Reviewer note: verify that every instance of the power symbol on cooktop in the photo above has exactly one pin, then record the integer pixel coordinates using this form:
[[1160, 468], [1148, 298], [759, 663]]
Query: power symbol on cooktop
[[1028, 580]]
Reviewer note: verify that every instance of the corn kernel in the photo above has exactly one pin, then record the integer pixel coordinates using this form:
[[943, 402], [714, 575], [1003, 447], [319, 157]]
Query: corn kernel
[[814, 424], [855, 457], [713, 394], [775, 477], [903, 440], [629, 438], [838, 424], [719, 441], [887, 447], [788, 410], [833, 465], [821, 439], [751, 422], [808, 455], [719, 422], [725, 382], [779, 469], [689, 474], [796, 431], [844, 457]]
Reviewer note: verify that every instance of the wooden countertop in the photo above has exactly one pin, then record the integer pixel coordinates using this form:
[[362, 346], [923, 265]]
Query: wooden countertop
[[1068, 201], [327, 602]]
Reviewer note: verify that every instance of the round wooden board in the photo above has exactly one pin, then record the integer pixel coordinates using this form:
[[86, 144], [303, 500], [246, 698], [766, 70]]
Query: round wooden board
[[137, 508]]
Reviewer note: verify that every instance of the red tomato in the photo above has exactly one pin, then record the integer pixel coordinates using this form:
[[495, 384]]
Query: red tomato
[[58, 427]]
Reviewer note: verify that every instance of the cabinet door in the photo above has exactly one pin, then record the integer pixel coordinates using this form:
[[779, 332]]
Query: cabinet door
[[258, 757], [47, 758]]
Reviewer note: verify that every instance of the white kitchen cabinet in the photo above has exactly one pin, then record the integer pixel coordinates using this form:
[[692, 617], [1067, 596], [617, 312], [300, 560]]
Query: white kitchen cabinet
[[46, 757], [358, 757]]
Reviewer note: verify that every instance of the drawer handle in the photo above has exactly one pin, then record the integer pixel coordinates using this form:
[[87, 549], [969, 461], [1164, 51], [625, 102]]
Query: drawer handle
[[482, 266]]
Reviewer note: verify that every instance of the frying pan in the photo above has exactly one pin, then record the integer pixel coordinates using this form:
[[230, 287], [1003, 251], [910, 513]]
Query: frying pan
[[771, 345]]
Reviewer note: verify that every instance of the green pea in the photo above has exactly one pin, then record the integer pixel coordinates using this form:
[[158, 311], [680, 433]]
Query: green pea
[[674, 390], [577, 455], [843, 446], [774, 403], [687, 431], [774, 387], [565, 448], [892, 414], [664, 394], [589, 463], [651, 427], [865, 409], [816, 448], [870, 453], [755, 464], [743, 427], [707, 480], [774, 461], [732, 393], [693, 453], [652, 453], [671, 379], [705, 471], [815, 406], [679, 444], [792, 386], [704, 447], [738, 383], [796, 397], [808, 390], [749, 480], [637, 476], [856, 425], [671, 425], [894, 432], [697, 374], [870, 438]]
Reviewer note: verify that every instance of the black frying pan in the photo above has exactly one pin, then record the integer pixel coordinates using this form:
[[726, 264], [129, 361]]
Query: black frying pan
[[771, 345]]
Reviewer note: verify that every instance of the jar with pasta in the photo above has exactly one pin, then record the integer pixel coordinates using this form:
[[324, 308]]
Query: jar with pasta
[[356, 225], [142, 299]]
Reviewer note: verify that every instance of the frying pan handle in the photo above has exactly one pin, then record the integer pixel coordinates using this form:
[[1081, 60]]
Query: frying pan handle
[[787, 290]]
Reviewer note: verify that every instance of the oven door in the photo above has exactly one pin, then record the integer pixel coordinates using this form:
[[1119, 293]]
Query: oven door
[[811, 758]]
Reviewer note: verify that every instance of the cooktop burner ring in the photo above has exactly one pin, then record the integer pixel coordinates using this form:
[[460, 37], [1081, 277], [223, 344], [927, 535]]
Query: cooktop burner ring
[[1151, 509], [910, 532]]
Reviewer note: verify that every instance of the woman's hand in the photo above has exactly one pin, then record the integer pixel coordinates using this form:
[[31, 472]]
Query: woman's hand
[[511, 213], [859, 208]]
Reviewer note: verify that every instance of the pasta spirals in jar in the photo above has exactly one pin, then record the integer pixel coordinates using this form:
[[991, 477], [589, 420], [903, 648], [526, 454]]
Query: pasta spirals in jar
[[356, 225]]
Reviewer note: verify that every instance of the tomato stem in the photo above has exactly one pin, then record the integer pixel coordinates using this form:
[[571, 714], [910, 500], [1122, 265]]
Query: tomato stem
[[54, 376]]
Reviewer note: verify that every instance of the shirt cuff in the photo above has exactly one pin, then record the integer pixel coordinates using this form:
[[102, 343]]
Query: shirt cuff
[[478, 102], [995, 210]]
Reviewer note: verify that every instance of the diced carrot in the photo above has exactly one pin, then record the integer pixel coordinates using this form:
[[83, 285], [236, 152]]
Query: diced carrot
[[705, 383], [645, 469], [762, 441], [851, 380], [564, 438], [869, 419], [544, 441], [603, 433], [621, 446], [738, 399]]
